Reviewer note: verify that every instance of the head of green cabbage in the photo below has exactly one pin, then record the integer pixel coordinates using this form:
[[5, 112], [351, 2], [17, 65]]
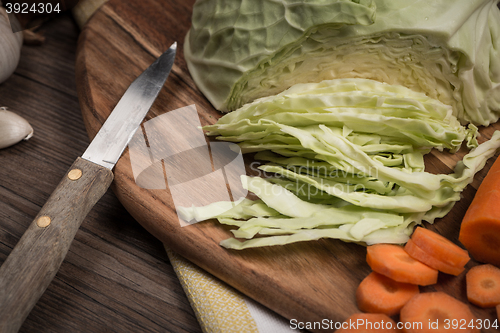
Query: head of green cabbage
[[241, 50]]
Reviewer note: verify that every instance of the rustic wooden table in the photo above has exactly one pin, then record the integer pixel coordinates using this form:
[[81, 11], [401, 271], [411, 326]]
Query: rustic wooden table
[[116, 277]]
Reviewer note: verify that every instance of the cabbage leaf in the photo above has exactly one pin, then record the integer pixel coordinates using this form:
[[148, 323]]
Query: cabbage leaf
[[342, 179]]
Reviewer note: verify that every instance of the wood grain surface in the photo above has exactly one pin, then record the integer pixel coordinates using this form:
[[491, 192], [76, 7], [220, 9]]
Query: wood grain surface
[[116, 276], [305, 281], [31, 266]]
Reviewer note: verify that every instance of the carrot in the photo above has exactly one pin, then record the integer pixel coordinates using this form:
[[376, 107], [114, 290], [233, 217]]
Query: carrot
[[430, 260], [380, 294], [436, 312], [480, 228], [392, 261], [483, 285], [440, 247], [368, 323]]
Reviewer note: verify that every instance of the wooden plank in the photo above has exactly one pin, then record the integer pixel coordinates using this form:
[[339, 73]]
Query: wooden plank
[[36, 258]]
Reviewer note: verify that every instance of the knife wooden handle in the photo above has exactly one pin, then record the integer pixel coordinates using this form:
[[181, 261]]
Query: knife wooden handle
[[36, 258]]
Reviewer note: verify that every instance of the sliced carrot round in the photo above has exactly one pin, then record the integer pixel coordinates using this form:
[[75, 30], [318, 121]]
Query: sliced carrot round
[[392, 261], [483, 285], [441, 247], [368, 323], [380, 294], [436, 312], [427, 258]]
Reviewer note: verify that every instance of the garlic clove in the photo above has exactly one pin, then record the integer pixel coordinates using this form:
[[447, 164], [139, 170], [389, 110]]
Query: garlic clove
[[10, 45], [13, 128]]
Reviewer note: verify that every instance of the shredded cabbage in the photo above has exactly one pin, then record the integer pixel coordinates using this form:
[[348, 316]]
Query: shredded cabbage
[[238, 51], [344, 179]]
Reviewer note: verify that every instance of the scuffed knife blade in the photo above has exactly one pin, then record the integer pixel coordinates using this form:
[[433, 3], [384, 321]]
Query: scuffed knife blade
[[122, 123], [35, 260]]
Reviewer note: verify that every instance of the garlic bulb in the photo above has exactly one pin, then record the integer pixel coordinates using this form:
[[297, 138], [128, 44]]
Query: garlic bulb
[[13, 128], [10, 46]]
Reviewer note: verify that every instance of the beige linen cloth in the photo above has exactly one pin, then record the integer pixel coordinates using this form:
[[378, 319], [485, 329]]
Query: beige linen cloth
[[218, 307]]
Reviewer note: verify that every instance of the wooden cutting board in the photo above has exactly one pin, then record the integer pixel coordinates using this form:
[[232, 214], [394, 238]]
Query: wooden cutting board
[[305, 281]]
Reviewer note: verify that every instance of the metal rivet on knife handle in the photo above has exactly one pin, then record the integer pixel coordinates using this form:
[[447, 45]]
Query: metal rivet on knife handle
[[43, 221], [75, 174]]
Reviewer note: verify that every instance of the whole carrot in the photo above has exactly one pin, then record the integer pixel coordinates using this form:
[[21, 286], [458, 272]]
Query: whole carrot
[[480, 229]]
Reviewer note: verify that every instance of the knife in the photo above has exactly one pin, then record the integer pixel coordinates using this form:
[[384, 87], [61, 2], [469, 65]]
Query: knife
[[35, 260]]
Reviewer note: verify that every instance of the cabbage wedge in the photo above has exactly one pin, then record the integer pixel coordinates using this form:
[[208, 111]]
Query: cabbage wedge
[[238, 51]]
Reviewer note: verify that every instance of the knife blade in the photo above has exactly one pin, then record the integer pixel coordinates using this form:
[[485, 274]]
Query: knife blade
[[36, 258]]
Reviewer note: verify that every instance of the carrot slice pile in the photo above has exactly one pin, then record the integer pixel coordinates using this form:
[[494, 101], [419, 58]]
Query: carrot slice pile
[[430, 260], [368, 323], [432, 312], [480, 228], [483, 285], [440, 247], [380, 294], [394, 262]]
